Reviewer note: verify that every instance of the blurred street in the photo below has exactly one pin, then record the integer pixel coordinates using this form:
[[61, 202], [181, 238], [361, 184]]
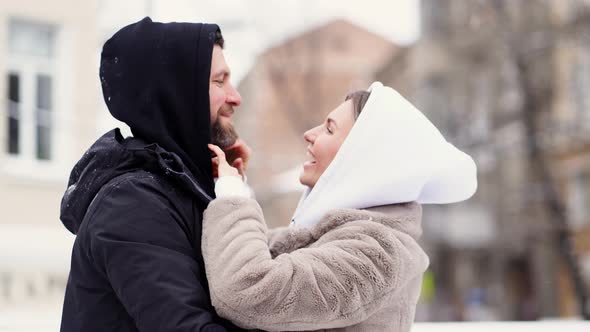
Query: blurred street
[[47, 322], [506, 81]]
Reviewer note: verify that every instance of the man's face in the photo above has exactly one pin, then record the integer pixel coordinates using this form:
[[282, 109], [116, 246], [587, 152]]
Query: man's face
[[223, 97]]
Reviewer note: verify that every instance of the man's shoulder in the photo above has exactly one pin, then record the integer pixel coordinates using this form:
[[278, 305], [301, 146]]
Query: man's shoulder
[[141, 191], [141, 181], [140, 207]]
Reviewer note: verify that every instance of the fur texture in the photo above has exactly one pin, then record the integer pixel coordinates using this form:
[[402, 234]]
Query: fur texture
[[356, 270]]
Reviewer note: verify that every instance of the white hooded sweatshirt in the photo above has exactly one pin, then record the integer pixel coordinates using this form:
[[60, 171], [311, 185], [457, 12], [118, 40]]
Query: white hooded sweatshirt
[[393, 154]]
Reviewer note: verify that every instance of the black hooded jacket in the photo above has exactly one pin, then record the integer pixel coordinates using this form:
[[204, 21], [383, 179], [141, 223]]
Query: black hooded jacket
[[136, 204]]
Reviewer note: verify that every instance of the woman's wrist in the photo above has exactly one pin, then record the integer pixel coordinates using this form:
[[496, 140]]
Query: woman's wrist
[[230, 185]]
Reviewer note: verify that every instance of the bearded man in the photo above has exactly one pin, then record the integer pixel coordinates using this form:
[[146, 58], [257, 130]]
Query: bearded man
[[136, 203]]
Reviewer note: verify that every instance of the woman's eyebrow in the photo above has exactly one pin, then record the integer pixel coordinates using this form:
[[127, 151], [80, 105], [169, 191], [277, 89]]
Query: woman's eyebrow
[[330, 120]]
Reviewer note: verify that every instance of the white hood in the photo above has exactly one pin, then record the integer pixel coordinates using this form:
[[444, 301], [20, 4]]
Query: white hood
[[393, 154]]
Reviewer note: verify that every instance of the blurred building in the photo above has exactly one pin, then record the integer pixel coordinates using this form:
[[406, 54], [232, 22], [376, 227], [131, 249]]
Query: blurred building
[[568, 134], [48, 109], [480, 69], [290, 89]]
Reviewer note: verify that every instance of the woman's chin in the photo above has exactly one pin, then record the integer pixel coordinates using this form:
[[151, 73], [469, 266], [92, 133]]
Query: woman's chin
[[306, 181], [302, 180]]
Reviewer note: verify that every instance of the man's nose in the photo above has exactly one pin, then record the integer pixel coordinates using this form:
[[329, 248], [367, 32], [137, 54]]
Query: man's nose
[[233, 96]]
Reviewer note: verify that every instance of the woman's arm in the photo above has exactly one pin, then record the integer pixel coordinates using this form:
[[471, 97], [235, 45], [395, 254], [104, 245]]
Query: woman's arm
[[284, 240], [354, 269]]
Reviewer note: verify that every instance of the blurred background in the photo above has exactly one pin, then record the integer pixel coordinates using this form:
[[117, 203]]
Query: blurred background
[[505, 80]]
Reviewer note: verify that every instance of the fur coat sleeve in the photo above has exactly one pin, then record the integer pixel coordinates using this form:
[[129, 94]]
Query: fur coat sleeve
[[337, 274]]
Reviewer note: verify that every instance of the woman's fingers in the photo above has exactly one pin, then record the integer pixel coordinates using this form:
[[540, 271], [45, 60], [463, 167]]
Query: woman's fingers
[[239, 150], [215, 164], [218, 152], [220, 164], [239, 165]]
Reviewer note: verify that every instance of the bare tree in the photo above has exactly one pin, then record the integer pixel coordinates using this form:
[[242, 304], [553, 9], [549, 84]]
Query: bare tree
[[526, 47]]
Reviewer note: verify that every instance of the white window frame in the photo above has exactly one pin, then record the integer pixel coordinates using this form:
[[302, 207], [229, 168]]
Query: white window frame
[[27, 70], [25, 164]]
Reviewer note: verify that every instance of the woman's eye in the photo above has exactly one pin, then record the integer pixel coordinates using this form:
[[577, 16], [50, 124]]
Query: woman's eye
[[329, 130]]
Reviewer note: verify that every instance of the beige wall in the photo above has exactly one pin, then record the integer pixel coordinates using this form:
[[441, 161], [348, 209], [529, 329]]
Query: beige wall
[[30, 193], [34, 246]]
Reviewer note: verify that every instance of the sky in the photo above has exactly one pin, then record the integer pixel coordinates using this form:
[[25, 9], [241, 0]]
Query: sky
[[251, 26]]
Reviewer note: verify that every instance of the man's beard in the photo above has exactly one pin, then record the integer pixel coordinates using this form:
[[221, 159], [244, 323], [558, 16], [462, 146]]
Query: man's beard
[[223, 136]]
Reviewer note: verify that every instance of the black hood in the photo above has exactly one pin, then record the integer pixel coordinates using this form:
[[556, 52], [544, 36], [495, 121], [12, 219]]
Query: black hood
[[111, 156], [155, 78]]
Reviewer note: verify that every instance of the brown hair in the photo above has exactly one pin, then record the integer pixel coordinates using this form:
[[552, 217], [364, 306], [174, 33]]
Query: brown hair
[[219, 38], [359, 99]]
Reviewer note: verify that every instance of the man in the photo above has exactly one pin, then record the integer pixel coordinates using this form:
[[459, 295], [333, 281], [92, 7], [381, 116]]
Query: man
[[136, 204]]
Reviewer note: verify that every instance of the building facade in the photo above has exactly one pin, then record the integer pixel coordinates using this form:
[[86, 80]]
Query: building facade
[[503, 80], [48, 93], [290, 89]]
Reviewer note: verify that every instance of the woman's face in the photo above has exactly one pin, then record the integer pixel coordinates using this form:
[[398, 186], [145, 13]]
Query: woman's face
[[324, 142]]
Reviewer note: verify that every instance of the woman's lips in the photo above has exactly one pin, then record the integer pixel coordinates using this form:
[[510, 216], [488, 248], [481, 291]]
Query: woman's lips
[[309, 163], [311, 160]]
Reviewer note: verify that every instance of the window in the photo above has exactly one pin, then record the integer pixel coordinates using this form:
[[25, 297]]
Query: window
[[13, 113], [581, 77], [433, 98], [483, 101], [578, 200], [436, 17], [30, 90], [43, 117]]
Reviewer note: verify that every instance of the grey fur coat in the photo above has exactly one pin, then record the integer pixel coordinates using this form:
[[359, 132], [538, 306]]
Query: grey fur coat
[[356, 270]]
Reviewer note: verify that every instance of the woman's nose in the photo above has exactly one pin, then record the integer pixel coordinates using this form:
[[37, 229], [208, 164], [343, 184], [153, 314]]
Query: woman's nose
[[310, 135], [307, 136]]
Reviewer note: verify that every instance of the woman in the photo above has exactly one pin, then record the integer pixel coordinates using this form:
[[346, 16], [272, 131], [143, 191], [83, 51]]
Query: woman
[[350, 260]]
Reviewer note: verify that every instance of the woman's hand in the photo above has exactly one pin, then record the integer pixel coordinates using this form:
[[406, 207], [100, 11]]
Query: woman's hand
[[222, 168], [238, 155]]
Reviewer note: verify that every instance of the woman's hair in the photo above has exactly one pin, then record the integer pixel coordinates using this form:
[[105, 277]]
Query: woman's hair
[[359, 99]]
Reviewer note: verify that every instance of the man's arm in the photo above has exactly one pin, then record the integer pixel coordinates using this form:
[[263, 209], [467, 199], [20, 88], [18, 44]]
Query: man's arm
[[141, 245]]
